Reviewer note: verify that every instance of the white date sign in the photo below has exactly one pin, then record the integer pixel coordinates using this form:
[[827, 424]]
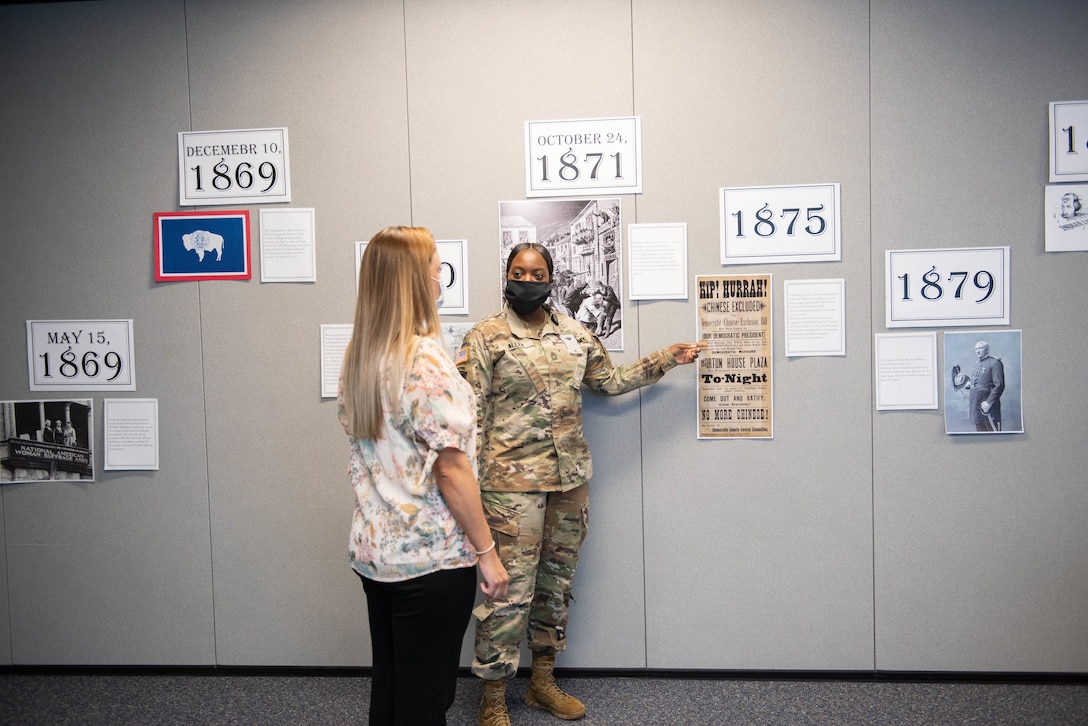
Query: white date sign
[[80, 355], [1069, 141], [796, 223], [249, 166], [587, 156], [947, 287]]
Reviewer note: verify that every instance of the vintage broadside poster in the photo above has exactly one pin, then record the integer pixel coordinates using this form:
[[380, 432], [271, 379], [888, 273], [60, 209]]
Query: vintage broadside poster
[[735, 374]]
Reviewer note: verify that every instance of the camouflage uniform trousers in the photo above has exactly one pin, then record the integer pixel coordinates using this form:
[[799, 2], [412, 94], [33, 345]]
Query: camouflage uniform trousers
[[538, 535]]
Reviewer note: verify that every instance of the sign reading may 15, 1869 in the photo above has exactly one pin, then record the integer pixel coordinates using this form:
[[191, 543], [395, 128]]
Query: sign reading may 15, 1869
[[735, 375], [80, 355], [583, 156], [248, 166]]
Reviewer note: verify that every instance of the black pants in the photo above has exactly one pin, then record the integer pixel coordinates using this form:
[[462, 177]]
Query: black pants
[[416, 629]]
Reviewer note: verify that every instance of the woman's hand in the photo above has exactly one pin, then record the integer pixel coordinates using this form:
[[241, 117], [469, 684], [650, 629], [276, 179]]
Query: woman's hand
[[495, 578]]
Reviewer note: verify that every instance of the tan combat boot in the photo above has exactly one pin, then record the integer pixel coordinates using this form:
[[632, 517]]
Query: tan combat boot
[[545, 694], [493, 706]]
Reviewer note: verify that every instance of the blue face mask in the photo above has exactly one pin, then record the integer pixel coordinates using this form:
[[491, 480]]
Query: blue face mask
[[441, 293]]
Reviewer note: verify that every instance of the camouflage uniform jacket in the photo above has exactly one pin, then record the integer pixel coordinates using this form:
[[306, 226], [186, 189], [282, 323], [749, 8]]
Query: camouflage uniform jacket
[[528, 382]]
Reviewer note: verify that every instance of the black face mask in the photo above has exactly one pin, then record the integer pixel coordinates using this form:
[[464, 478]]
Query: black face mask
[[525, 296]]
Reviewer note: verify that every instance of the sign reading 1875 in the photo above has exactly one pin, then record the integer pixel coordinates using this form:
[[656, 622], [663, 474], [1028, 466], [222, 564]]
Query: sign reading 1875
[[80, 355], [794, 223], [584, 156], [233, 167]]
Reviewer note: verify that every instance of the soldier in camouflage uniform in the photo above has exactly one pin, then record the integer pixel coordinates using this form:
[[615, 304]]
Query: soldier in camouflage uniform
[[527, 364]]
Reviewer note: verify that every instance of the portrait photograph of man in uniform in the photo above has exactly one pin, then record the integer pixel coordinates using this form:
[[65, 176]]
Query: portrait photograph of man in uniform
[[983, 389]]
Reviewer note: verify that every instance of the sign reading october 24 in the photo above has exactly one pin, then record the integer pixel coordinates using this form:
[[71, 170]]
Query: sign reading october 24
[[583, 156], [249, 166]]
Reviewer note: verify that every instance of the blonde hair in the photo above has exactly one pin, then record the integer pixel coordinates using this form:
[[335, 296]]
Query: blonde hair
[[394, 307]]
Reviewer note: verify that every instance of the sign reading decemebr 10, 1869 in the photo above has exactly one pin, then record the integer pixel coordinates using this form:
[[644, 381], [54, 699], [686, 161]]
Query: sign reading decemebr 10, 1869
[[735, 374], [249, 166]]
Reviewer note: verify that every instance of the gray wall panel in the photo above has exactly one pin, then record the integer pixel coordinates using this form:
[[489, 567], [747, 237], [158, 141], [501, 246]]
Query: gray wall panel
[[115, 571], [981, 544], [758, 553], [467, 106], [333, 73]]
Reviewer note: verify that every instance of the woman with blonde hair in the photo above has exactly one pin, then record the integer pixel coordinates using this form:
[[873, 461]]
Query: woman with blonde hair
[[418, 531]]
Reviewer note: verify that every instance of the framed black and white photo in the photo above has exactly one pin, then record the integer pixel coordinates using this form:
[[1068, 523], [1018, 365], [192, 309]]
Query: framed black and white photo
[[585, 240], [1065, 217], [47, 440], [983, 387]]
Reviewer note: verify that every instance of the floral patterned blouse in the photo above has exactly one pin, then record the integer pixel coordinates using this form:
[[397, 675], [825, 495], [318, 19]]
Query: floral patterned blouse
[[402, 527]]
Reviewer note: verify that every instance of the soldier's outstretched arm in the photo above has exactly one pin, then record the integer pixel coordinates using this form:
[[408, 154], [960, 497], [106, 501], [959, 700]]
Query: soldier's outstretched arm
[[685, 353]]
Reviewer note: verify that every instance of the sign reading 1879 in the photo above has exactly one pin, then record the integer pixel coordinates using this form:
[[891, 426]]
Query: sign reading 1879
[[966, 286], [80, 355], [233, 167], [585, 156]]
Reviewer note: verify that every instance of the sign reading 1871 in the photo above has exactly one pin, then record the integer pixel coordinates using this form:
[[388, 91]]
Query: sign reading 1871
[[586, 156], [80, 355], [249, 166]]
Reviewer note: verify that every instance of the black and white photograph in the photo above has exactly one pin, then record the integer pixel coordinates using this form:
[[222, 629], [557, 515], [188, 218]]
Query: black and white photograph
[[1066, 217], [983, 390], [47, 440], [585, 241]]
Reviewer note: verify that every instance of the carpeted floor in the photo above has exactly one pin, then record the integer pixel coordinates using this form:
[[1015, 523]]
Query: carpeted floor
[[91, 699]]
